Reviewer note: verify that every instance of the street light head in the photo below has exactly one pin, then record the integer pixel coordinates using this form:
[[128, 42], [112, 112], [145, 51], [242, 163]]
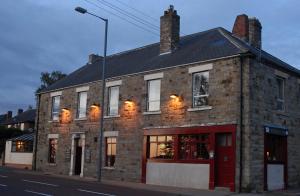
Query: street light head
[[81, 10]]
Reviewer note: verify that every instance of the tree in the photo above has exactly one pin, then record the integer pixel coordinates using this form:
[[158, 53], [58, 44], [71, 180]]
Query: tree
[[49, 78]]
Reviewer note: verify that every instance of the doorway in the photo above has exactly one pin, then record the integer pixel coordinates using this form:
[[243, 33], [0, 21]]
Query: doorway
[[224, 165], [78, 157]]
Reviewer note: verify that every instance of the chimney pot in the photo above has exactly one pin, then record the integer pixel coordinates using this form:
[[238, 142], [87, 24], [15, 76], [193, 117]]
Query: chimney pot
[[93, 58], [20, 111], [169, 30]]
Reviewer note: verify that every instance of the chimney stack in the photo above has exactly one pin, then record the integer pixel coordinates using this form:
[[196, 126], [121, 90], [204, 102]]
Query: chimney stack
[[169, 30], [20, 111], [9, 115], [255, 32], [93, 58], [248, 30]]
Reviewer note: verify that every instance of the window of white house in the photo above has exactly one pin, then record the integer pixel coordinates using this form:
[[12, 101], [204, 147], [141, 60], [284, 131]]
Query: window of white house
[[52, 150], [82, 103], [153, 99], [111, 146], [22, 146], [113, 99], [280, 94], [55, 107], [200, 89]]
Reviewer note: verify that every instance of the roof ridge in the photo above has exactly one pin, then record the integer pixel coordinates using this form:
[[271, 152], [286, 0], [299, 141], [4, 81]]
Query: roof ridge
[[229, 37]]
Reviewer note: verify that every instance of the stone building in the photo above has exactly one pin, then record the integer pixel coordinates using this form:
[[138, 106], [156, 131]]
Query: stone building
[[210, 109]]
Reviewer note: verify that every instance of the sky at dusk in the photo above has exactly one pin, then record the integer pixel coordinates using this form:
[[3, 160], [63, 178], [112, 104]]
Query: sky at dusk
[[46, 35]]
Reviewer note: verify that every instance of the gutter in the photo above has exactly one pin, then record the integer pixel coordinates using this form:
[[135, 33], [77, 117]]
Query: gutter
[[241, 122]]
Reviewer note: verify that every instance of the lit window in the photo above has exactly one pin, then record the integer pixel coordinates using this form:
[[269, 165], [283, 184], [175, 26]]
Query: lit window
[[111, 146], [52, 150], [200, 89], [161, 147], [193, 147], [22, 146], [280, 94], [153, 102], [113, 106], [82, 102], [55, 108]]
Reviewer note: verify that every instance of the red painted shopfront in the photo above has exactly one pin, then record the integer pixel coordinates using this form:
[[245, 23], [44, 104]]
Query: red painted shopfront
[[206, 154]]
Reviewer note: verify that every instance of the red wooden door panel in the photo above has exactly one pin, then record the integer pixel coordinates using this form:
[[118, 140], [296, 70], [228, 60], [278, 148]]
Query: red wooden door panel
[[224, 160]]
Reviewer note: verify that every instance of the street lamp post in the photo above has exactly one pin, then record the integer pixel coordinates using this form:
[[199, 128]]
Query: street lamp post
[[99, 161]]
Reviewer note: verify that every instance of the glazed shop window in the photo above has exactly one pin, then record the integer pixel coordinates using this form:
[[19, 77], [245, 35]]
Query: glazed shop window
[[193, 147], [52, 150], [161, 147], [275, 148], [55, 108], [111, 146], [22, 146], [200, 89]]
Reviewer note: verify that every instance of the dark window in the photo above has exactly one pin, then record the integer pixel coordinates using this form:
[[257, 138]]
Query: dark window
[[200, 89], [55, 108], [111, 146], [275, 148], [224, 139], [52, 150], [280, 94], [193, 147], [22, 146], [161, 147]]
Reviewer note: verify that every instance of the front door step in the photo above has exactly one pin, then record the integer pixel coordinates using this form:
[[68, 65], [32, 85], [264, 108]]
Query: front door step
[[227, 189]]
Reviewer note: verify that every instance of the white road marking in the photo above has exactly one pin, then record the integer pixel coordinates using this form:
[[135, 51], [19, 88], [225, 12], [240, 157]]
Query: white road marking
[[82, 190], [37, 193], [3, 176], [3, 185], [43, 183]]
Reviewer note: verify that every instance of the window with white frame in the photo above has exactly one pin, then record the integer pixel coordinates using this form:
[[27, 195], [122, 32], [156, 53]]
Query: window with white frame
[[110, 156], [82, 103], [113, 101], [200, 89], [55, 108], [153, 98], [280, 93]]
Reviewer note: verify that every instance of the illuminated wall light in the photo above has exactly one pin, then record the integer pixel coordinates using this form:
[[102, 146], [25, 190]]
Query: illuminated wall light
[[128, 101], [64, 110], [95, 106], [174, 96]]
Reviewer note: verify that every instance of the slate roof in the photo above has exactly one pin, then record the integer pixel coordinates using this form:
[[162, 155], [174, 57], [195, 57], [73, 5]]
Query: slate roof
[[202, 46], [25, 137], [26, 116]]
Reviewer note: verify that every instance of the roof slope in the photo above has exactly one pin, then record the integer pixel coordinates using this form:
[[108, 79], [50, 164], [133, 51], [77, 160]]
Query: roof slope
[[24, 137], [27, 116], [202, 46]]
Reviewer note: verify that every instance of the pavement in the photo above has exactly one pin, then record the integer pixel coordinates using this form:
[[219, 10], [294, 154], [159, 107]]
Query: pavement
[[27, 182]]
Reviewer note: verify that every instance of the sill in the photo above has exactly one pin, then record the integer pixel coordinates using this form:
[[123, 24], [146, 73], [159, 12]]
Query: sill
[[114, 116], [52, 164], [53, 121], [199, 108], [108, 168], [78, 119], [150, 113]]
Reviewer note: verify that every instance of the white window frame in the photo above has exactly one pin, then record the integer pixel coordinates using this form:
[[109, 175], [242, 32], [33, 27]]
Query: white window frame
[[282, 101], [199, 96], [109, 111], [52, 107], [79, 100], [148, 96]]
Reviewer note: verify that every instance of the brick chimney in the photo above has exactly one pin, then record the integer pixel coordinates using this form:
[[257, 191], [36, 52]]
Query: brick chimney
[[241, 27], [9, 115], [248, 29], [255, 32], [20, 111], [169, 30], [93, 58]]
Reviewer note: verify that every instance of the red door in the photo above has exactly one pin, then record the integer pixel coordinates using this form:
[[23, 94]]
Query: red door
[[224, 160]]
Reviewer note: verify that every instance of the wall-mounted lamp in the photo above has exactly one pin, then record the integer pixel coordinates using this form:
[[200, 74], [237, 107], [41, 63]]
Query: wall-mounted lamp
[[65, 109], [94, 105], [174, 96], [128, 101]]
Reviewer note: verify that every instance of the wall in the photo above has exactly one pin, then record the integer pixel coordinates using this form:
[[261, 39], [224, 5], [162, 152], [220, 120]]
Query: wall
[[178, 175], [224, 96], [16, 158]]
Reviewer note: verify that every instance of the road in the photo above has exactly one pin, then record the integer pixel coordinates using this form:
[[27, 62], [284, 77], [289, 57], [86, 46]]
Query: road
[[14, 183]]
